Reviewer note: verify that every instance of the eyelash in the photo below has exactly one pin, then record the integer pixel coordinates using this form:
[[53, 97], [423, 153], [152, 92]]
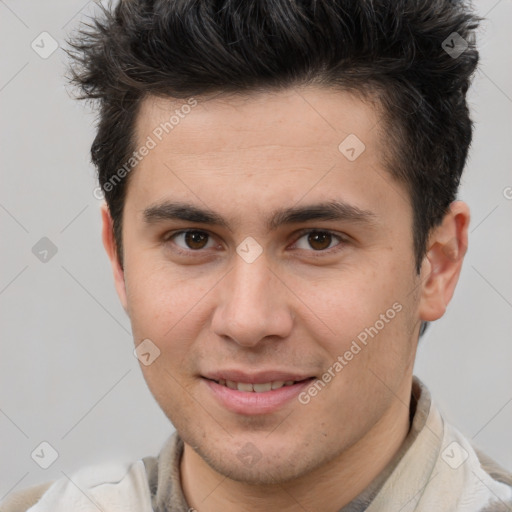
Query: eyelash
[[341, 241]]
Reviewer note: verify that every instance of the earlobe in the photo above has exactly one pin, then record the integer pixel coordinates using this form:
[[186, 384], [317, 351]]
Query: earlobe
[[110, 245], [442, 264]]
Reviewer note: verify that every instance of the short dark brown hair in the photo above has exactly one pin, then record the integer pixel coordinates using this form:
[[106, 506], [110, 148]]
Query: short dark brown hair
[[398, 50]]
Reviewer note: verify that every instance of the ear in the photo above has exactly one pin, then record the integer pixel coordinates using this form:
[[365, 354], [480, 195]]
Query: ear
[[110, 245], [442, 264]]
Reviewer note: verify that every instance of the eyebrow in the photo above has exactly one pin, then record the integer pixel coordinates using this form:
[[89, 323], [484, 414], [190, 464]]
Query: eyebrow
[[333, 210]]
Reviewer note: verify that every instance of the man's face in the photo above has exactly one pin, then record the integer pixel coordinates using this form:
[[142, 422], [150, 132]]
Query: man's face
[[257, 295]]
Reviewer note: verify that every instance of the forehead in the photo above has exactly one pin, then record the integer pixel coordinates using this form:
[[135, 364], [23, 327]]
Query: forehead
[[272, 148], [308, 117]]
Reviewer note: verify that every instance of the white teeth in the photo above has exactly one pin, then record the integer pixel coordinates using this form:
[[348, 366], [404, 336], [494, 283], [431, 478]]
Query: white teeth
[[257, 388], [260, 388]]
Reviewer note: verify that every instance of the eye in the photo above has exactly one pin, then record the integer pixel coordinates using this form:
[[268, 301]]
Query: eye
[[194, 240], [318, 240]]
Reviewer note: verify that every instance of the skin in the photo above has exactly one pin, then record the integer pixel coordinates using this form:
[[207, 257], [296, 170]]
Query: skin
[[297, 307]]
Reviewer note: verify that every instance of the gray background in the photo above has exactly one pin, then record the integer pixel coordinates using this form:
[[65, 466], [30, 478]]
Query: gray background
[[67, 372]]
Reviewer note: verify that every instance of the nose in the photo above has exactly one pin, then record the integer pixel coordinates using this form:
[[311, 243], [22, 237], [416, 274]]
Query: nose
[[253, 304]]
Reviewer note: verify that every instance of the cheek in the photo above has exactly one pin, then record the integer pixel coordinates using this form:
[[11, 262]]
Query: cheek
[[162, 301], [342, 303], [365, 317]]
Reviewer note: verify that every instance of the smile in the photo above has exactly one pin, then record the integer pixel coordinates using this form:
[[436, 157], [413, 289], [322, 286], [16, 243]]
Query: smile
[[253, 398], [255, 388]]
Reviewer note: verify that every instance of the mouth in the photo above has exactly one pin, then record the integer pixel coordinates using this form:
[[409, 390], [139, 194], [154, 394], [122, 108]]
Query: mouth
[[248, 395], [263, 387]]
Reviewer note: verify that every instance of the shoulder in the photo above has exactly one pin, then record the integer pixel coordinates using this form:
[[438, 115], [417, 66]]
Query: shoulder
[[476, 480], [21, 501], [447, 470], [493, 469], [113, 487], [147, 484]]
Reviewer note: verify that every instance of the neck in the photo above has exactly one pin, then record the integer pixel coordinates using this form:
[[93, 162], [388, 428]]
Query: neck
[[329, 487]]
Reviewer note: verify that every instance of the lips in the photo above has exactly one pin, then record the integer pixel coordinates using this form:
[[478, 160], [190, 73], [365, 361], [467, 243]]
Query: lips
[[250, 394], [255, 387], [246, 398]]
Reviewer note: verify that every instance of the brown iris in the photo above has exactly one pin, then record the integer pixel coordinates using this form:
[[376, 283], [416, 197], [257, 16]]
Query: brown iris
[[319, 240], [196, 239]]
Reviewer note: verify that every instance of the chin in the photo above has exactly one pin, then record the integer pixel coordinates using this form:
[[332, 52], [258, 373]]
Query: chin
[[264, 472], [242, 462]]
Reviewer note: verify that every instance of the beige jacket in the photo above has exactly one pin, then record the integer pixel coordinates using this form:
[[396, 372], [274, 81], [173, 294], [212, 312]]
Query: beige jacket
[[436, 470]]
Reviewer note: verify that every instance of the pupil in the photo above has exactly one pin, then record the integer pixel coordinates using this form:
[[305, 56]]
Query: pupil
[[319, 240], [196, 239]]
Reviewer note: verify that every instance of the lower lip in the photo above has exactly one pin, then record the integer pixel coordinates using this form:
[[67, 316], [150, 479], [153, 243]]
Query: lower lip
[[251, 403]]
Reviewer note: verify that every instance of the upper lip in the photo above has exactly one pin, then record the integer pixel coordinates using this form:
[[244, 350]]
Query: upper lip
[[255, 378]]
